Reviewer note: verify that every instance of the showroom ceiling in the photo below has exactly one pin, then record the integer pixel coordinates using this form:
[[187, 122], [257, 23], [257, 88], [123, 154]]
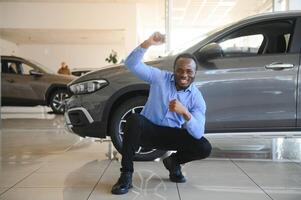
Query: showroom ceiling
[[194, 13]]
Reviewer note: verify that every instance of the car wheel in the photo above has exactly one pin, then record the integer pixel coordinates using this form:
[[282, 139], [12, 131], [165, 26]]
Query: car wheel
[[117, 125], [57, 99]]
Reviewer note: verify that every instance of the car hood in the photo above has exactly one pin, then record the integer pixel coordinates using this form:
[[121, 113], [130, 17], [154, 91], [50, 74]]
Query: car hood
[[59, 78], [113, 71]]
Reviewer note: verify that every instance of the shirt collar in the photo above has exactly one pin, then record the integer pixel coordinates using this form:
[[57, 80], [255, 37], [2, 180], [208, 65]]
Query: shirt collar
[[172, 79]]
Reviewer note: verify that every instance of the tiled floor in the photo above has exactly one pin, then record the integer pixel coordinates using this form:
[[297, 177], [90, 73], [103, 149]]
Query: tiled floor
[[41, 160]]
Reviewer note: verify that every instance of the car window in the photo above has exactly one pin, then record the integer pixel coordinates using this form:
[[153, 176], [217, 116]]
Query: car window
[[259, 39], [242, 46], [12, 67], [26, 69]]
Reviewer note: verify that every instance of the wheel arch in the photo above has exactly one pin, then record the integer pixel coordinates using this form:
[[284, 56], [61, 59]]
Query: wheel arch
[[119, 97], [51, 89]]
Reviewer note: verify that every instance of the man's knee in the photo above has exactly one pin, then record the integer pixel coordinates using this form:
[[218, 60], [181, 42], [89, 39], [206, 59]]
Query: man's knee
[[134, 118], [133, 122], [204, 149]]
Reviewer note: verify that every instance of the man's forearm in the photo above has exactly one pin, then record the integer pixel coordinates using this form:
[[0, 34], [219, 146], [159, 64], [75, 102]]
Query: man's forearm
[[146, 44]]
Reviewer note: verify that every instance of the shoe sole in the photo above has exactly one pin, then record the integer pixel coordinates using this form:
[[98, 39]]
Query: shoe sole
[[177, 181], [124, 192]]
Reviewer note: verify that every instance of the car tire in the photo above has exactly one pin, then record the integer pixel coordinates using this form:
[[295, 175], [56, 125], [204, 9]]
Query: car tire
[[118, 120], [57, 99]]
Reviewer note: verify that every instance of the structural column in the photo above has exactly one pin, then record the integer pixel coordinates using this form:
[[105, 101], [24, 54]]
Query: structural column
[[168, 18]]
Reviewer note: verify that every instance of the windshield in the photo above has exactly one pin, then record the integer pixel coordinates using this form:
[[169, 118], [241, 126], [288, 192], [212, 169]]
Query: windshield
[[45, 69]]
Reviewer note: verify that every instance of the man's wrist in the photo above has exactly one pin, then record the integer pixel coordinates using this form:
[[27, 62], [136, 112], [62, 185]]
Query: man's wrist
[[187, 115]]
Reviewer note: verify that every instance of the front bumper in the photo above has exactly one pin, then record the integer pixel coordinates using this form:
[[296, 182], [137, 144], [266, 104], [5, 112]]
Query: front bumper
[[79, 121], [84, 114]]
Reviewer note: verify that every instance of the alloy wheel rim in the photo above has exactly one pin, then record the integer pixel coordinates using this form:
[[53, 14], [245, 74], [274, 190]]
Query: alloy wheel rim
[[58, 101], [137, 109]]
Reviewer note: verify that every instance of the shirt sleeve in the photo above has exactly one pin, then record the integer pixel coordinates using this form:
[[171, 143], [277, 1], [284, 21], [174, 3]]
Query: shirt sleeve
[[141, 70], [196, 125]]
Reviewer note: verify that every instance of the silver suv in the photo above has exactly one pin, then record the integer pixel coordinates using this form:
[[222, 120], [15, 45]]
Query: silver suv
[[249, 76], [27, 83]]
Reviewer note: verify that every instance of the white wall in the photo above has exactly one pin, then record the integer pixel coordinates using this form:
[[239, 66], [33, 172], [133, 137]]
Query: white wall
[[76, 56], [151, 18], [101, 16], [8, 48], [66, 16]]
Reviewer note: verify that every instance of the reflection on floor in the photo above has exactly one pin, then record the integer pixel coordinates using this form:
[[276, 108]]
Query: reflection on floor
[[40, 159]]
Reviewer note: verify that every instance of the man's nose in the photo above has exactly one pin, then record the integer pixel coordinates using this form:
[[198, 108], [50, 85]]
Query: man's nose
[[184, 74]]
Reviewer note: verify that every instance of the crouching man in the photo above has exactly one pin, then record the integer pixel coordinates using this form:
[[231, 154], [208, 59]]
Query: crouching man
[[173, 117]]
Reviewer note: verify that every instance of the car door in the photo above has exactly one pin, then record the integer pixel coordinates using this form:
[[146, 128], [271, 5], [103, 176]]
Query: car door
[[17, 84], [7, 80], [14, 91], [253, 85]]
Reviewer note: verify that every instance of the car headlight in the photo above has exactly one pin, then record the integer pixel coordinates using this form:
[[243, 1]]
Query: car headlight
[[88, 86]]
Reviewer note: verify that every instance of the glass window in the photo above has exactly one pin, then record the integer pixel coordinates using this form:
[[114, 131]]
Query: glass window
[[271, 37], [12, 68], [26, 69], [242, 46], [287, 39]]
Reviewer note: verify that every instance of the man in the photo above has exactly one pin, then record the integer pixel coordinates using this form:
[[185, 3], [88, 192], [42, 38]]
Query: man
[[64, 69], [173, 117]]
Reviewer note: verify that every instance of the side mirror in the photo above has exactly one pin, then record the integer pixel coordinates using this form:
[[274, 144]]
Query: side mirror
[[209, 52], [35, 73]]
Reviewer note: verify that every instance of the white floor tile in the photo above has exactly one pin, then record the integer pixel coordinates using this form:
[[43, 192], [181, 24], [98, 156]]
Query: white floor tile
[[220, 193], [273, 175], [46, 194], [149, 182], [2, 189], [216, 173], [76, 178], [91, 166], [286, 194], [10, 179]]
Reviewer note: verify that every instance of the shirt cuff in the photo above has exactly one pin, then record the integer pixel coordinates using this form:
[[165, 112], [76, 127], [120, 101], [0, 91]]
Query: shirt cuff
[[193, 128]]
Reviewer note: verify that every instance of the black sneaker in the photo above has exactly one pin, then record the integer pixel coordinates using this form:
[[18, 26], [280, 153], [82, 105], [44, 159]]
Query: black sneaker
[[175, 173], [123, 184]]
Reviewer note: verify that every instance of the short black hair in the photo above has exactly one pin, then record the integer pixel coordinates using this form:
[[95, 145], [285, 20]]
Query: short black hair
[[186, 55]]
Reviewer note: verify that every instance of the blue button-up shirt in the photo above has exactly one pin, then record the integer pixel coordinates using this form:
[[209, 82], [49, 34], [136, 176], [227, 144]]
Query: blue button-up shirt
[[162, 91]]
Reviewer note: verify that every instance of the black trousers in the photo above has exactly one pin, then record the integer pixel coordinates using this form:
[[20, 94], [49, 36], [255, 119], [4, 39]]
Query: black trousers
[[139, 131]]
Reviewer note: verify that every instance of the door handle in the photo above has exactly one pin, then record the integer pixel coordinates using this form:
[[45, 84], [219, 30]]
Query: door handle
[[279, 66], [10, 80]]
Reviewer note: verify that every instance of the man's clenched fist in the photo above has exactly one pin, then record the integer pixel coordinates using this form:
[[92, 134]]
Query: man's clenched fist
[[155, 39], [176, 106]]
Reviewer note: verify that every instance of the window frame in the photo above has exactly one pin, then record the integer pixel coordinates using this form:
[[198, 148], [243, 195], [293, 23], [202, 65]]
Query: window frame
[[266, 37], [243, 54], [295, 42]]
